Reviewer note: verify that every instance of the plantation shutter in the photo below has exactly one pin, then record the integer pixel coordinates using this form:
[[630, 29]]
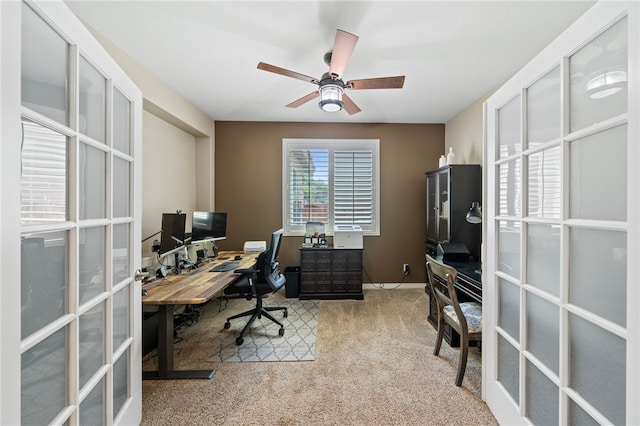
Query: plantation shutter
[[353, 187], [308, 186], [333, 181]]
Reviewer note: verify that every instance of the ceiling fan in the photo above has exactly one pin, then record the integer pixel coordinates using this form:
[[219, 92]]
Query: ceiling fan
[[331, 86]]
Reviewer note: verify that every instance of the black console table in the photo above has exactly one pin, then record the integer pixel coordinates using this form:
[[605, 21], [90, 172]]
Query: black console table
[[469, 288], [328, 273]]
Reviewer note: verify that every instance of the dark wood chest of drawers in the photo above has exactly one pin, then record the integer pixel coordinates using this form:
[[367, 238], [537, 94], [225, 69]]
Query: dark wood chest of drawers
[[328, 273]]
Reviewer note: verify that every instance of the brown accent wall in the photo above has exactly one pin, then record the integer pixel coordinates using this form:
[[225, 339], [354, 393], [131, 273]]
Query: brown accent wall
[[248, 186]]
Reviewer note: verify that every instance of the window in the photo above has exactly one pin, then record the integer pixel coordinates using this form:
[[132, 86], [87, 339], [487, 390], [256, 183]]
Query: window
[[334, 181]]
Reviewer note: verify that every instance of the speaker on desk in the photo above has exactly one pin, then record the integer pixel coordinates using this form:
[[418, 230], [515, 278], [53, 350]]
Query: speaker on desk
[[453, 252]]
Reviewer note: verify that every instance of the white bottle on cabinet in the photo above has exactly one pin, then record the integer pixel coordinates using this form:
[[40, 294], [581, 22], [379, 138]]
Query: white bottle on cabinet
[[443, 161], [451, 157]]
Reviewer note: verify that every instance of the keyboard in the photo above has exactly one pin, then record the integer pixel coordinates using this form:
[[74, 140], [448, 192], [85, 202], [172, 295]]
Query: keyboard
[[225, 266]]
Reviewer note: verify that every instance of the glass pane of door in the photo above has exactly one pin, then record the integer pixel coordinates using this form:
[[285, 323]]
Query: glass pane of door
[[43, 185], [543, 257], [121, 188], [597, 368], [509, 308], [44, 277], [542, 397], [93, 184], [120, 317], [509, 248], [543, 331], [92, 407], [120, 382], [121, 255], [44, 379], [598, 272], [508, 368], [121, 122], [92, 326], [509, 129], [92, 102], [544, 180], [601, 196], [91, 262], [543, 109], [45, 68], [599, 78]]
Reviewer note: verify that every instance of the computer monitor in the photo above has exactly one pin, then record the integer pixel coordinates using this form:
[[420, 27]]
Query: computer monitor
[[208, 226], [172, 235]]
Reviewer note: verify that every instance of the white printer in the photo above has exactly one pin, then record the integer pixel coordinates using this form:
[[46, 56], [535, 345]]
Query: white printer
[[347, 237], [254, 246]]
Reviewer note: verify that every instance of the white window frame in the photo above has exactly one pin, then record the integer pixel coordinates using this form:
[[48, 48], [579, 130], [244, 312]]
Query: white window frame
[[331, 145]]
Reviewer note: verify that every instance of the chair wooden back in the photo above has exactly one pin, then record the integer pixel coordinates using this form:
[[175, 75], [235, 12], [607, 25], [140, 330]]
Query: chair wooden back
[[442, 280]]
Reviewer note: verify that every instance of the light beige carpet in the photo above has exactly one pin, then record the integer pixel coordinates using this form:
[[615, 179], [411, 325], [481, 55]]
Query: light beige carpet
[[374, 366]]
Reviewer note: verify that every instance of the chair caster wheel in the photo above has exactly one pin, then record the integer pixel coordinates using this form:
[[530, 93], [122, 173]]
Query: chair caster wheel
[[281, 332], [239, 341], [286, 314], [227, 324]]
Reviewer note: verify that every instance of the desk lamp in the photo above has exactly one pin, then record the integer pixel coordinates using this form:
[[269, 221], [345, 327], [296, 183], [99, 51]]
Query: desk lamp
[[474, 215]]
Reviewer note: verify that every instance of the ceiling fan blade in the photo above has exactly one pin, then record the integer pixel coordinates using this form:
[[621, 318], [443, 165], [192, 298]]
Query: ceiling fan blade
[[376, 83], [342, 49], [304, 99], [349, 105], [286, 73]]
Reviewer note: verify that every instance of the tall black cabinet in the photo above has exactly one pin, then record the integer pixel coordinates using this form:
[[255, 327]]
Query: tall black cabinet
[[450, 192]]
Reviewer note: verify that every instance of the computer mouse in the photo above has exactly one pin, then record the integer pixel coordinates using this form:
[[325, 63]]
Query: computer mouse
[[238, 257]]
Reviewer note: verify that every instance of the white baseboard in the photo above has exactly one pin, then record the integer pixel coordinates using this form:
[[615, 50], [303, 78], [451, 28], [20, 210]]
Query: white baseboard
[[391, 286]]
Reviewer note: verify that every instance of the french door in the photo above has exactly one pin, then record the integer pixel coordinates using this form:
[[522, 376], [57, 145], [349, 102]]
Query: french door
[[71, 304], [562, 215]]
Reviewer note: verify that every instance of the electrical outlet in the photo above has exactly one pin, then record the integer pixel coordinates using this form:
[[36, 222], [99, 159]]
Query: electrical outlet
[[405, 269]]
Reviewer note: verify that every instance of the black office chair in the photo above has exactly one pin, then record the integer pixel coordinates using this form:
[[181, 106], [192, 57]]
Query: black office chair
[[266, 278]]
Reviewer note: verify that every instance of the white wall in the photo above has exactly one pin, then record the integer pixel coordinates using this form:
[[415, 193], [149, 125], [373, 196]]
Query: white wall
[[169, 175], [464, 133]]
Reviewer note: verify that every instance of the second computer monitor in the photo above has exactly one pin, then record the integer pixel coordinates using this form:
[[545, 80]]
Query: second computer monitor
[[208, 226], [173, 234]]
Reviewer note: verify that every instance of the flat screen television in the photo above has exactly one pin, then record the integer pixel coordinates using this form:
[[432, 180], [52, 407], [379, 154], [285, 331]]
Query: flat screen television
[[172, 235], [208, 226]]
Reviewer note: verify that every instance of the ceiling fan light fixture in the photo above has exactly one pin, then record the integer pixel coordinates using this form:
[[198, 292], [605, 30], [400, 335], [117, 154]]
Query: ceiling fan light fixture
[[331, 98]]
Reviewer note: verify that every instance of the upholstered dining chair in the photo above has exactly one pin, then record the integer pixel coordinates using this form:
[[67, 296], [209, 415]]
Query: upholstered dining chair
[[465, 318]]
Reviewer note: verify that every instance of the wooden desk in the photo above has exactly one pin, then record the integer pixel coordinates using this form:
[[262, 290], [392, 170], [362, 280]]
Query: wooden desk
[[468, 287], [191, 287]]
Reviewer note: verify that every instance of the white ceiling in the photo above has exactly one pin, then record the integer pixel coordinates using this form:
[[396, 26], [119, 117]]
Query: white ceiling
[[451, 52]]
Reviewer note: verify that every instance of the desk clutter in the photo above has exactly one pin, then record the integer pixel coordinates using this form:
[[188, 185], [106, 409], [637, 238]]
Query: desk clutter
[[314, 235]]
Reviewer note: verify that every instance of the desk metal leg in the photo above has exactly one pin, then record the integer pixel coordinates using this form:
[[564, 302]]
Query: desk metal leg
[[165, 353]]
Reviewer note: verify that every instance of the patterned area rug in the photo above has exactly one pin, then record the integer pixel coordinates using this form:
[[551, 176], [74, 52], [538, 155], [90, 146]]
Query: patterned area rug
[[262, 342]]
